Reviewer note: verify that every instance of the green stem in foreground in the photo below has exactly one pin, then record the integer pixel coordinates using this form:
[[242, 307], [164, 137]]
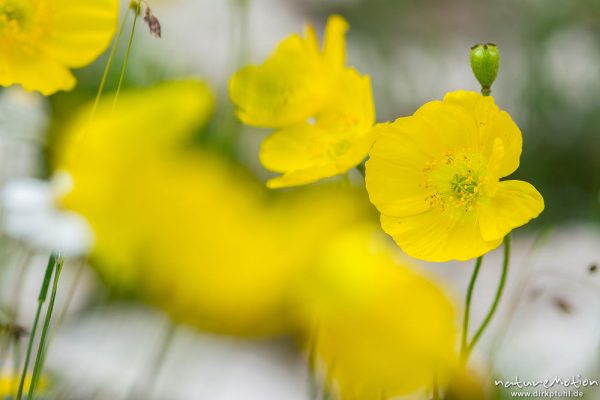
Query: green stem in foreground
[[42, 348], [41, 300], [124, 68], [499, 292], [147, 384], [465, 327]]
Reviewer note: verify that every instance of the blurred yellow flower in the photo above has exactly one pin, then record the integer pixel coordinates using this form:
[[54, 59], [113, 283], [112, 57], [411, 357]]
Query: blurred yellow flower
[[42, 39], [9, 385], [323, 110], [435, 178], [188, 232], [379, 329]]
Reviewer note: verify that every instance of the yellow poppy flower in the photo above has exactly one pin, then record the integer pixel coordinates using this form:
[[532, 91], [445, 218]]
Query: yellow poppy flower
[[40, 40], [379, 329], [435, 178], [182, 228], [323, 110]]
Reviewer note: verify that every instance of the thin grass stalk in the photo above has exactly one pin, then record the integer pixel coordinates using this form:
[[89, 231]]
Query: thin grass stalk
[[42, 348], [41, 300]]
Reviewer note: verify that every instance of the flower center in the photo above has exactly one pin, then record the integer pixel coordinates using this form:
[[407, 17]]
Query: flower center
[[453, 181], [14, 17]]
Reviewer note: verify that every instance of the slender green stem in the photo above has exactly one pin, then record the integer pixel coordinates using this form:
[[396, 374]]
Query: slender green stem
[[41, 300], [499, 292], [70, 294], [42, 348], [148, 382], [28, 353], [111, 58], [124, 68], [465, 327]]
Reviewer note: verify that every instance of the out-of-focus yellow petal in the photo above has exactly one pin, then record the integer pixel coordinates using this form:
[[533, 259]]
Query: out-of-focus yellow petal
[[289, 87], [339, 138], [302, 177], [324, 111], [379, 329], [184, 229], [10, 383], [34, 72], [184, 104], [514, 204], [350, 110], [295, 148], [111, 160], [42, 39], [80, 30], [334, 42]]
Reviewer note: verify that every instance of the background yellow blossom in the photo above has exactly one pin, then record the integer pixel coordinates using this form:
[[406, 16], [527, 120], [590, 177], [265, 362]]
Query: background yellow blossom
[[379, 329], [323, 110], [197, 236], [40, 40]]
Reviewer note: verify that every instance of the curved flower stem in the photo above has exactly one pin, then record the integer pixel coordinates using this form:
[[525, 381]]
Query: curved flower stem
[[124, 68], [465, 328], [499, 292]]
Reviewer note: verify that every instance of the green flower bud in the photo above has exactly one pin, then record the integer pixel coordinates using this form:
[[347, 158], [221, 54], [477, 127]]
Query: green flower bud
[[485, 60]]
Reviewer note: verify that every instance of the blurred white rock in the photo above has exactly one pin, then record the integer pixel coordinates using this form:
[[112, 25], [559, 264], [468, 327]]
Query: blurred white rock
[[553, 328], [108, 353], [30, 214]]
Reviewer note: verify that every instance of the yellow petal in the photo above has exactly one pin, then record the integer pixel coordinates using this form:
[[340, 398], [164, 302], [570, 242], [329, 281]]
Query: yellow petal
[[297, 147], [492, 124], [312, 40], [303, 176], [439, 236], [377, 326], [33, 71], [302, 157], [288, 88], [80, 30], [394, 171], [350, 109], [447, 128], [514, 204], [334, 43], [338, 140]]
